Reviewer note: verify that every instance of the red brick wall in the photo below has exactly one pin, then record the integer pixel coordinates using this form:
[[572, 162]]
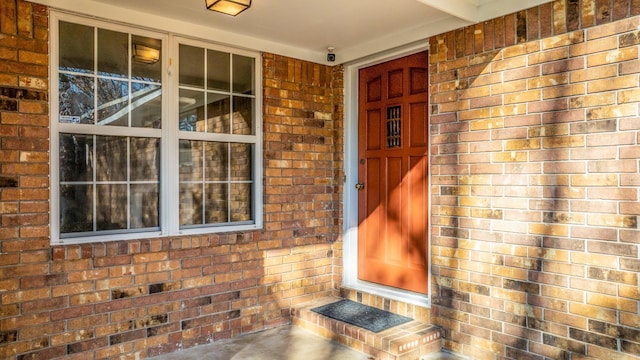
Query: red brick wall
[[146, 297], [535, 135]]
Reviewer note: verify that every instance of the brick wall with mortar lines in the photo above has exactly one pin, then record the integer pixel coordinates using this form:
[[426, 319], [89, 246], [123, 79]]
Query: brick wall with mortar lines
[[141, 298], [535, 162]]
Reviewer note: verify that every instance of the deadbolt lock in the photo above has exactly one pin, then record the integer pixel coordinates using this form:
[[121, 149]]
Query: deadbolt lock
[[360, 186]]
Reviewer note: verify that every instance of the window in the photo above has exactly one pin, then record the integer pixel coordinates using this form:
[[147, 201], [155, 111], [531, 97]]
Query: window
[[152, 134]]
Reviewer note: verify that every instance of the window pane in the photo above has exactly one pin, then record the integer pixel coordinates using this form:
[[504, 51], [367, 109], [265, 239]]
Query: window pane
[[216, 206], [190, 204], [76, 99], [144, 206], [111, 155], [111, 206], [76, 157], [241, 156], [76, 47], [190, 160], [113, 53], [243, 72], [191, 116], [191, 66], [113, 102], [218, 110], [146, 105], [76, 208], [146, 61], [243, 115], [241, 202], [145, 159], [218, 70], [217, 161]]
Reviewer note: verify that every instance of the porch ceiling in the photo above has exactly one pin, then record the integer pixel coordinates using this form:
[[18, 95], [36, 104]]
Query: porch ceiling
[[304, 29]]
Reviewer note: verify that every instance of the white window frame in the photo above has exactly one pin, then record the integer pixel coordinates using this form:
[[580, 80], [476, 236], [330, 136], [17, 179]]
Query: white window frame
[[168, 134]]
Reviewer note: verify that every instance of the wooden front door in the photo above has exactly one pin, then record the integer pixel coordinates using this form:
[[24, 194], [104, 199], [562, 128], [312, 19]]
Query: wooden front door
[[393, 174]]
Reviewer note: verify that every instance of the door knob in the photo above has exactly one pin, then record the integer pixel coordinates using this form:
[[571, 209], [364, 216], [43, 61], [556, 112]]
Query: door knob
[[360, 186]]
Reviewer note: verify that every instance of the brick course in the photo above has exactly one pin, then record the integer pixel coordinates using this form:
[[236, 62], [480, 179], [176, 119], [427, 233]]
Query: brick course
[[535, 246], [535, 138], [135, 299]]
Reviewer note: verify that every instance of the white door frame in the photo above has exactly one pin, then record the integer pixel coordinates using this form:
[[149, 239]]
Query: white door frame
[[350, 196]]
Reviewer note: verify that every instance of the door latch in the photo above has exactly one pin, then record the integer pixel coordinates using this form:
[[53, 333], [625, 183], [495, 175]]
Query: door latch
[[360, 186]]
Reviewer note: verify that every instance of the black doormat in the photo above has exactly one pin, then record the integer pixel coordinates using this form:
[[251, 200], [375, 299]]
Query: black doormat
[[364, 316]]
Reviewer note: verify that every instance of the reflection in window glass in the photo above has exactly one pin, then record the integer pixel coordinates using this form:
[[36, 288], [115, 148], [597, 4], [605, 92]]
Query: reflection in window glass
[[216, 178], [190, 204], [216, 161], [112, 167], [240, 199], [243, 75], [76, 210], [218, 70], [191, 66], [111, 207], [75, 52], [76, 157], [191, 160], [146, 54], [113, 102], [75, 99], [216, 206], [243, 115], [144, 160], [144, 204], [218, 113], [113, 53], [241, 157], [191, 104], [146, 105], [99, 192]]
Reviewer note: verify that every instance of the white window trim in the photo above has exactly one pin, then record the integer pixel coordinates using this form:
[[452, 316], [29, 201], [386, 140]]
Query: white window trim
[[169, 190]]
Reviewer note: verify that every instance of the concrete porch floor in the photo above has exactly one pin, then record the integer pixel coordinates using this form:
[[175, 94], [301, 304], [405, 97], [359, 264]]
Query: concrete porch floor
[[282, 343]]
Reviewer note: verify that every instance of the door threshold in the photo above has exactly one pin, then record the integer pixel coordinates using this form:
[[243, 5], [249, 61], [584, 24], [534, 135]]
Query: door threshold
[[390, 293]]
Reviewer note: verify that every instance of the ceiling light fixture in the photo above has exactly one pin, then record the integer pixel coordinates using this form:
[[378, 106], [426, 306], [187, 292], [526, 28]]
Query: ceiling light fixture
[[145, 54], [229, 7]]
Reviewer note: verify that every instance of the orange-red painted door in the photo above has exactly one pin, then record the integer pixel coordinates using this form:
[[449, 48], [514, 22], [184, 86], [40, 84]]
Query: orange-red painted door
[[393, 174]]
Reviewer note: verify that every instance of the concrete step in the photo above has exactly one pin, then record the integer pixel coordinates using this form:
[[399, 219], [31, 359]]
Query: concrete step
[[410, 341]]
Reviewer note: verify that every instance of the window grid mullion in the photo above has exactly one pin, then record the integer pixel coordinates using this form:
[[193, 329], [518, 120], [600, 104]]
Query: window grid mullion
[[203, 187], [128, 183], [94, 184]]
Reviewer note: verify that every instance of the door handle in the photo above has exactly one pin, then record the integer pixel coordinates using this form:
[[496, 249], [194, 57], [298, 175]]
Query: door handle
[[360, 186]]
